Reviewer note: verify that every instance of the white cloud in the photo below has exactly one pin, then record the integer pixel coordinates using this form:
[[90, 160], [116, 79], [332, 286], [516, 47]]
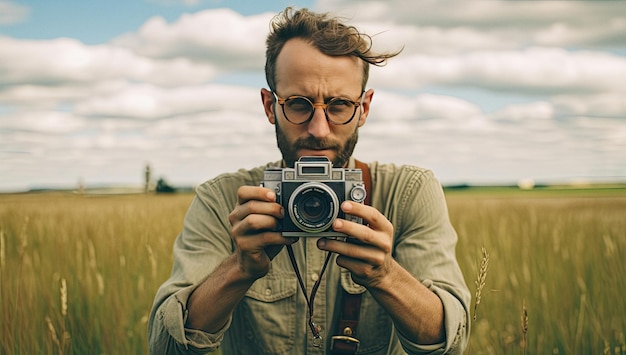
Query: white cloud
[[543, 23], [143, 101], [66, 61], [608, 104], [540, 70], [43, 122], [221, 37], [525, 112], [11, 12], [174, 2]]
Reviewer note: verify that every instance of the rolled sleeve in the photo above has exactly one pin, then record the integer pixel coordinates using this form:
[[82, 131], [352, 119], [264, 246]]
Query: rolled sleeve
[[169, 335], [455, 323]]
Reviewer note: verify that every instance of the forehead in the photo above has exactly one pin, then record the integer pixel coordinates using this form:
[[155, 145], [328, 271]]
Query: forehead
[[302, 68]]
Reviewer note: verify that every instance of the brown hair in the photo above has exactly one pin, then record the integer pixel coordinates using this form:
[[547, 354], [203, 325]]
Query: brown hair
[[325, 33]]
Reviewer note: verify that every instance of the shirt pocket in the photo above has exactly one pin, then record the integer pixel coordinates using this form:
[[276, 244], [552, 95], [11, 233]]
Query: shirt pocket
[[374, 330], [266, 315]]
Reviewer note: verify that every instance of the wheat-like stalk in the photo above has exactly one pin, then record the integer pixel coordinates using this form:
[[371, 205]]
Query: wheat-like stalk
[[153, 264], [524, 327], [93, 262], [482, 276], [100, 281], [53, 332], [2, 250], [65, 334], [24, 236], [63, 290]]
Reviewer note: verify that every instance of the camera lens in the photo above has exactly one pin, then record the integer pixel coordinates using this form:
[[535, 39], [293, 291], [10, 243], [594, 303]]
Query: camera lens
[[313, 207]]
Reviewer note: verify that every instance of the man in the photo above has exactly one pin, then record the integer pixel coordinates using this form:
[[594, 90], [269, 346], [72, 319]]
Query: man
[[233, 286]]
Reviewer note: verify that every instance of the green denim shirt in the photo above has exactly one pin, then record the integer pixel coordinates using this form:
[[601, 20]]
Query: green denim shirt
[[272, 317]]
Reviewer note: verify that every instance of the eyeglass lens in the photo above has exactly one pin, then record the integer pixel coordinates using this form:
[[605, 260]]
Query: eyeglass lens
[[300, 109]]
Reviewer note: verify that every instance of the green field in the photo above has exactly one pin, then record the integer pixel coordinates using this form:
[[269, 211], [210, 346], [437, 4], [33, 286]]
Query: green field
[[79, 273]]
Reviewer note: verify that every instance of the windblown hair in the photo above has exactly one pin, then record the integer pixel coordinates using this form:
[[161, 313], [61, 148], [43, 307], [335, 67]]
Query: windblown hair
[[325, 33]]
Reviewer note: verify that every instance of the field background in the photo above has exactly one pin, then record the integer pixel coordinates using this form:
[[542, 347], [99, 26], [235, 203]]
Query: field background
[[78, 273]]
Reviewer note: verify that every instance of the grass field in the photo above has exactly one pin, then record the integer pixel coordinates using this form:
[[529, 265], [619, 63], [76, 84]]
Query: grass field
[[79, 273]]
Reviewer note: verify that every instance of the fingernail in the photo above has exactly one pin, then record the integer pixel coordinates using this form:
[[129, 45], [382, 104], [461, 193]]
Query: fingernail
[[346, 206], [337, 224]]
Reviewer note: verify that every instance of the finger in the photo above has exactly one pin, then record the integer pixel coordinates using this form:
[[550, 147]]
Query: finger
[[260, 241], [369, 214], [256, 207], [368, 254], [253, 224], [247, 193], [364, 235]]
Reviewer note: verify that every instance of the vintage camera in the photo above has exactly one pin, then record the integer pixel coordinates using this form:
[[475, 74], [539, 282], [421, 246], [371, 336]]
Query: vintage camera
[[312, 193]]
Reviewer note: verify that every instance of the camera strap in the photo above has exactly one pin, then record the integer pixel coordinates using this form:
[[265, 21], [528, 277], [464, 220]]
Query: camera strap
[[315, 329], [345, 341]]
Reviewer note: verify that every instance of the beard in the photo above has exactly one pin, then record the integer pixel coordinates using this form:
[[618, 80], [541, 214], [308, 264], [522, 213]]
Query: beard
[[289, 150]]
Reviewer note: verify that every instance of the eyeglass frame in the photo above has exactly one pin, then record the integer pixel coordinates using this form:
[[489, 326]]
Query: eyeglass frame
[[323, 106]]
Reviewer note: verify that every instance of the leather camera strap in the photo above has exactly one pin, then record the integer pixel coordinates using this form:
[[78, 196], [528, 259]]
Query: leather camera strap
[[345, 340]]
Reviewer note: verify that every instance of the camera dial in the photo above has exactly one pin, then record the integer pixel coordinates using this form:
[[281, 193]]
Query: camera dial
[[358, 194]]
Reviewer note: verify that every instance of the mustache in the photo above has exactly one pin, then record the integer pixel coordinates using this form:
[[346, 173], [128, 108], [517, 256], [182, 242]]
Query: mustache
[[316, 144]]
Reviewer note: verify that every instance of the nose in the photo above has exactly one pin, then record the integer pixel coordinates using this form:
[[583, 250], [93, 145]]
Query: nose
[[318, 126]]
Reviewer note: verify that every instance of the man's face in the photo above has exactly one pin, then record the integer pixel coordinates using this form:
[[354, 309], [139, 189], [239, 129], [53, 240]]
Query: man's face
[[303, 70]]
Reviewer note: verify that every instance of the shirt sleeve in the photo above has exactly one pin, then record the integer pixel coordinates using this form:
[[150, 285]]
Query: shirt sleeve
[[201, 246], [425, 244]]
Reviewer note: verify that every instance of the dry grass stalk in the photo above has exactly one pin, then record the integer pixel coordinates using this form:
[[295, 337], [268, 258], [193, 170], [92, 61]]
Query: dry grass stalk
[[153, 264], [482, 276], [24, 236], [53, 332], [63, 290], [66, 335], [3, 254], [100, 281], [93, 262], [524, 327]]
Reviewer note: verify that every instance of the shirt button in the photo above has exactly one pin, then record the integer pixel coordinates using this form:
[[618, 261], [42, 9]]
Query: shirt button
[[315, 277], [268, 291]]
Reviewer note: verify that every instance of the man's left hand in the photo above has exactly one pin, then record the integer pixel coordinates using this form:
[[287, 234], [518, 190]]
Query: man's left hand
[[367, 249]]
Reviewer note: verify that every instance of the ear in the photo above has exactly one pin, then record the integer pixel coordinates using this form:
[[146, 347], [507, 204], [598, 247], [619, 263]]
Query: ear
[[268, 105], [365, 106]]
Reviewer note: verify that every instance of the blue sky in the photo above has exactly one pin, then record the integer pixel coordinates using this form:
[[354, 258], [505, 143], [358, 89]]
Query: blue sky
[[487, 92]]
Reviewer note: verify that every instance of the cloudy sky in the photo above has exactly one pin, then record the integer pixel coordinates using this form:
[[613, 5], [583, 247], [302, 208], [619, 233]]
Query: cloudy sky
[[483, 92]]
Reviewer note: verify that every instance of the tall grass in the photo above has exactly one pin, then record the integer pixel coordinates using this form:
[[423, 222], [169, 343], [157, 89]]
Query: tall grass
[[78, 274], [556, 261]]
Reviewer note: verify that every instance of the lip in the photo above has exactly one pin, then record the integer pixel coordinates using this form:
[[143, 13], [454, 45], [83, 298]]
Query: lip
[[315, 152]]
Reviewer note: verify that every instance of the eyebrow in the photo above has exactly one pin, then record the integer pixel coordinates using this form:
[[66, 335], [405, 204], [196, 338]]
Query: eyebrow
[[326, 99]]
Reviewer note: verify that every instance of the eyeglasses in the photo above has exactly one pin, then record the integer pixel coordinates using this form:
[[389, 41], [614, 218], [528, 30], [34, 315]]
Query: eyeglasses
[[299, 109]]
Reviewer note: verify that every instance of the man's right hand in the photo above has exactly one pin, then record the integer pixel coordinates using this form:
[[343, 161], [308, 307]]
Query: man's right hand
[[254, 229]]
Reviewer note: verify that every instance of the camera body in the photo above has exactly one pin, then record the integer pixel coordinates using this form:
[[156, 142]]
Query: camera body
[[311, 194]]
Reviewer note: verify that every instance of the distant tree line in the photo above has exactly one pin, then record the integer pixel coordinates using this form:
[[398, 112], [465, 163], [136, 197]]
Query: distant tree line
[[162, 186]]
